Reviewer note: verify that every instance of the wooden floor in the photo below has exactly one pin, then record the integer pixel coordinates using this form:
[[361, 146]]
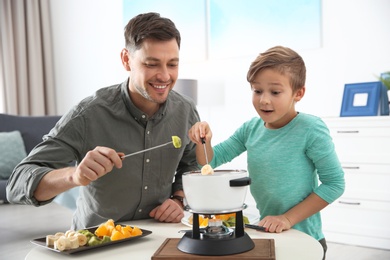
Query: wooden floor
[[20, 224]]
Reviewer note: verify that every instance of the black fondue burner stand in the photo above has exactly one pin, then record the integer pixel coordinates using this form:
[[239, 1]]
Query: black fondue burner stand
[[237, 242]]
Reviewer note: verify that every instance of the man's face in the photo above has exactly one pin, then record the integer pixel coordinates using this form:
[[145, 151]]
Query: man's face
[[153, 70]]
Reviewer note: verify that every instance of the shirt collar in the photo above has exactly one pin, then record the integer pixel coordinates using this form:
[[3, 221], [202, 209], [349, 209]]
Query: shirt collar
[[135, 112]]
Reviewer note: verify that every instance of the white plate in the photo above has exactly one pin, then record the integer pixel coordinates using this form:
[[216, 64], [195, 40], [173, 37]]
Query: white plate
[[253, 219]]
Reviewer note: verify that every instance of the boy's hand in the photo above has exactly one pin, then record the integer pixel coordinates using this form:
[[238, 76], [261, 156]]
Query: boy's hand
[[275, 224], [198, 131]]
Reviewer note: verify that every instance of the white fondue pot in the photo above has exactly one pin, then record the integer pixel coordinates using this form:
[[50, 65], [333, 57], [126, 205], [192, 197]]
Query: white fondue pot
[[223, 191]]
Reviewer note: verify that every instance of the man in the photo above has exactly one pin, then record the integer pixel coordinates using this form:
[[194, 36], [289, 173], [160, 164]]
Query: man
[[140, 113]]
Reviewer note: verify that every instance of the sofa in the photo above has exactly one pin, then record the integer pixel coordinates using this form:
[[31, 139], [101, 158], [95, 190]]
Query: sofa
[[31, 129]]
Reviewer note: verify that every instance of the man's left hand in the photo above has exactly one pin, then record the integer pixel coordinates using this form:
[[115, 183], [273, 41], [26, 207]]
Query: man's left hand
[[169, 211]]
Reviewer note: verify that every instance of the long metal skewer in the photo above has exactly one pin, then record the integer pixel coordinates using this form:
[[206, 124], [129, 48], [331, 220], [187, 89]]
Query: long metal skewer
[[142, 151]]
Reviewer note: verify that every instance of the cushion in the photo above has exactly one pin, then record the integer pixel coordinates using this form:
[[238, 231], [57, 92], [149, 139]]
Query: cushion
[[12, 152]]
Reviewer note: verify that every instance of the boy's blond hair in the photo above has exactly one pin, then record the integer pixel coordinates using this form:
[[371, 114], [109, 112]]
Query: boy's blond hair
[[285, 61]]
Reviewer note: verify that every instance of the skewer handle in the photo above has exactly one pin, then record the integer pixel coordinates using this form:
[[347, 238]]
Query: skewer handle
[[204, 148]]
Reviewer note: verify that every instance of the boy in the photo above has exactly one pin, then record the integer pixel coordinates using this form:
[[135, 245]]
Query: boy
[[287, 151]]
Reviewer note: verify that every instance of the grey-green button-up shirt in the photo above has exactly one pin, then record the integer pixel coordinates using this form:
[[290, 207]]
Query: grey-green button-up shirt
[[109, 118]]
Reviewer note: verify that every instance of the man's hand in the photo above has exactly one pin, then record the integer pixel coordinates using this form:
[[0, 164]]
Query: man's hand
[[96, 164], [169, 211]]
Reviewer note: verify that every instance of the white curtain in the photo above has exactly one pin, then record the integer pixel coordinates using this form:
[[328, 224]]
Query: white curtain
[[26, 66]]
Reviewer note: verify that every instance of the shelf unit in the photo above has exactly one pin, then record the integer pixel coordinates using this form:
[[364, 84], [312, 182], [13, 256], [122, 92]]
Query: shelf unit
[[361, 215]]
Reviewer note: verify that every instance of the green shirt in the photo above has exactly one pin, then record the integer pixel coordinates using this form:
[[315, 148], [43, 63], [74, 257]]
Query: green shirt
[[285, 165], [109, 118]]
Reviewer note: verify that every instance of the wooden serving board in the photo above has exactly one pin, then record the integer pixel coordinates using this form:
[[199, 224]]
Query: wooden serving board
[[264, 250]]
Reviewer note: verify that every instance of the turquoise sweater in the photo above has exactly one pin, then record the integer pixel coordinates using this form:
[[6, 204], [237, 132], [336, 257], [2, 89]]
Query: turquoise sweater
[[285, 165]]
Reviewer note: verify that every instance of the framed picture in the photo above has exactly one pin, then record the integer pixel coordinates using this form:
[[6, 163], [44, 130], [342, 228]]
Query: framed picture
[[361, 99]]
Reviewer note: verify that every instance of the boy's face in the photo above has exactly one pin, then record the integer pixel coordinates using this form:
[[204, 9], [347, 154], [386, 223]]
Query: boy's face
[[153, 70], [273, 98]]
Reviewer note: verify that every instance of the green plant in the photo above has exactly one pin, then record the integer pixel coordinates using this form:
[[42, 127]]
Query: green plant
[[385, 78]]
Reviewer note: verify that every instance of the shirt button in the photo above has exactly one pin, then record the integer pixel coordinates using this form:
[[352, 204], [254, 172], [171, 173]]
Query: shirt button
[[148, 132], [143, 116], [140, 210], [147, 160], [146, 187]]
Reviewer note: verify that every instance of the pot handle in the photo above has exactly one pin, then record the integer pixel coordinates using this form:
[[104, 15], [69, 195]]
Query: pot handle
[[240, 182]]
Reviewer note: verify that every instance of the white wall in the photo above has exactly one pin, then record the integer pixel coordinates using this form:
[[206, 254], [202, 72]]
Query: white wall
[[88, 38]]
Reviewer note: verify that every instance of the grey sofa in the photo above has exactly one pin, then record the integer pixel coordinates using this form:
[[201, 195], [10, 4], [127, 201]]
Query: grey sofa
[[32, 129]]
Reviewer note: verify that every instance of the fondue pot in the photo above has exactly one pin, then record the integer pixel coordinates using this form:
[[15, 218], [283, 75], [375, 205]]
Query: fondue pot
[[216, 194], [223, 191]]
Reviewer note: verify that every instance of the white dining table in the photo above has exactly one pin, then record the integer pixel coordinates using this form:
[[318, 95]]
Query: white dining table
[[289, 245]]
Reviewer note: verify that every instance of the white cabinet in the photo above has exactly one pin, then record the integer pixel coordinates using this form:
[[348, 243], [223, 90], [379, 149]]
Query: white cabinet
[[361, 216]]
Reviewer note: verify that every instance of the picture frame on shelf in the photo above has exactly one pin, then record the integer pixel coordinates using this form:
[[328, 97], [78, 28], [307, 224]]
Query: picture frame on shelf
[[361, 99]]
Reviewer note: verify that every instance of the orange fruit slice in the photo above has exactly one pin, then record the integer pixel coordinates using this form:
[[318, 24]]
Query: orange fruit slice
[[204, 223], [110, 222], [136, 231], [118, 227], [102, 231], [128, 228], [116, 235], [225, 217], [126, 233]]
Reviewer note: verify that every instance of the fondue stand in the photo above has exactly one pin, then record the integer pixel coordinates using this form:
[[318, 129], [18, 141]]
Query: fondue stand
[[219, 193], [216, 239]]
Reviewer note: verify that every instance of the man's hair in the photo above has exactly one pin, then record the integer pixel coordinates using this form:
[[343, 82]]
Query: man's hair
[[283, 60], [149, 26]]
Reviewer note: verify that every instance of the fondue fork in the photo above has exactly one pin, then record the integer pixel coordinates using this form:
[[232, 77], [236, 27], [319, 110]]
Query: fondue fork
[[176, 141], [256, 227], [202, 230], [204, 149], [145, 150]]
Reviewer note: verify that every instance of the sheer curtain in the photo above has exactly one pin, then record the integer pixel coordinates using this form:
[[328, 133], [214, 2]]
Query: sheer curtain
[[26, 66]]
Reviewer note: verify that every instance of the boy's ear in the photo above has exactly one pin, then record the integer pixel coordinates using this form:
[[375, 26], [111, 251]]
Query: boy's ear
[[299, 94]]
